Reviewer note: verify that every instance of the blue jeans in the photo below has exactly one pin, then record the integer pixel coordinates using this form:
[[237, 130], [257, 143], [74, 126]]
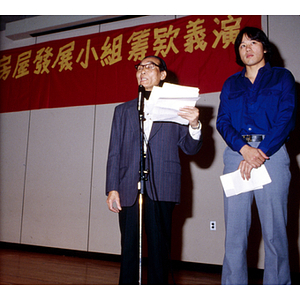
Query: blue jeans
[[271, 203]]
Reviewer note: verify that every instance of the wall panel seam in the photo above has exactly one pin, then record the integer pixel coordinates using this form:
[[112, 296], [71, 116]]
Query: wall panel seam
[[25, 177], [91, 180]]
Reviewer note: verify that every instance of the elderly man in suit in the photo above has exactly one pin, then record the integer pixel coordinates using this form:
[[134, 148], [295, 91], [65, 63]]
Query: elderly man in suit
[[164, 179]]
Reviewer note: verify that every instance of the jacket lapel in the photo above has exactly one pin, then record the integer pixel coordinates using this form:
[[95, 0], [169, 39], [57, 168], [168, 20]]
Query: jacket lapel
[[155, 128], [133, 118]]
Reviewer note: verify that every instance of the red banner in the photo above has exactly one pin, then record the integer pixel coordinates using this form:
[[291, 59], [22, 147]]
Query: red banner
[[99, 68]]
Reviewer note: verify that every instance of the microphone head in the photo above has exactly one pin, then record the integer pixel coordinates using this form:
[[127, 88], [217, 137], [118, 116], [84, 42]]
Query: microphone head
[[141, 89], [140, 106]]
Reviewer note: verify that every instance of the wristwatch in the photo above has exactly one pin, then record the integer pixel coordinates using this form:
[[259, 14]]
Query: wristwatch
[[198, 127]]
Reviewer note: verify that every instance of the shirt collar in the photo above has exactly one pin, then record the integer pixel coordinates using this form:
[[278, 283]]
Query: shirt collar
[[266, 67]]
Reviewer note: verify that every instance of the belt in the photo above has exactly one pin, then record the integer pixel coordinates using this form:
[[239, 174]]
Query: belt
[[253, 137]]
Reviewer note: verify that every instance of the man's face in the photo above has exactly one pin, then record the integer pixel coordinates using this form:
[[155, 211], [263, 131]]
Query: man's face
[[252, 52], [150, 77]]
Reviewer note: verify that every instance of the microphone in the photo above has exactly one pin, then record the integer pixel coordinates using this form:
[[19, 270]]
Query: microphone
[[140, 106]]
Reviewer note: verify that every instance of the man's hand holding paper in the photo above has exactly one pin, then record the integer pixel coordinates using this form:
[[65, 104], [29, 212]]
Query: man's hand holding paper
[[190, 113], [175, 103], [234, 184]]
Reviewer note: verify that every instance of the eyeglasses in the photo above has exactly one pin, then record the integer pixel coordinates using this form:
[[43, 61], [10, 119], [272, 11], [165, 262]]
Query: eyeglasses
[[149, 66]]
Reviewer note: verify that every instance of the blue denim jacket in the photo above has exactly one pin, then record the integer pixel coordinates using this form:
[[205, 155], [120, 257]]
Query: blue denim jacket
[[267, 107]]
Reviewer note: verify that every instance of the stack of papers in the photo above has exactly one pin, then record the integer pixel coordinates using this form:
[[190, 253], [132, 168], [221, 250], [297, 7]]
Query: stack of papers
[[234, 184], [169, 98]]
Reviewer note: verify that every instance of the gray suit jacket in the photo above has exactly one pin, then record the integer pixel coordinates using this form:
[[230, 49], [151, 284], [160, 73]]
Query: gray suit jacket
[[162, 160]]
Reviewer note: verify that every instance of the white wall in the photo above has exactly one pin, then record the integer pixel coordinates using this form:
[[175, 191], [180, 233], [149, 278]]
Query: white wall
[[13, 152], [52, 184], [57, 184]]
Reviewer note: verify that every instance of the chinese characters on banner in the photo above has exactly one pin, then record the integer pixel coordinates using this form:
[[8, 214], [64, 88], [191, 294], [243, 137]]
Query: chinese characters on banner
[[99, 68]]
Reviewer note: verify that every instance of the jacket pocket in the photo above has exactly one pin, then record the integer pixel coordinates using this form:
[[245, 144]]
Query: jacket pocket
[[172, 167]]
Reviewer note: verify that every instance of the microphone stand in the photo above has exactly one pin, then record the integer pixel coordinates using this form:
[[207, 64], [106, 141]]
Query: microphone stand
[[141, 184]]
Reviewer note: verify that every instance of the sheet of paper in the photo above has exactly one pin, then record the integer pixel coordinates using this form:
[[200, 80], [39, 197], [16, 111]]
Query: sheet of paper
[[233, 183], [169, 98], [176, 90], [166, 110]]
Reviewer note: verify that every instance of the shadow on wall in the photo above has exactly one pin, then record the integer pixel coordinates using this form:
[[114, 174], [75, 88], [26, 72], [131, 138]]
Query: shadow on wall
[[203, 159], [293, 148]]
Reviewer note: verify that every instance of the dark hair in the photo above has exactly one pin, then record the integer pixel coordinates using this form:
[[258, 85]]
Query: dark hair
[[162, 65], [254, 34]]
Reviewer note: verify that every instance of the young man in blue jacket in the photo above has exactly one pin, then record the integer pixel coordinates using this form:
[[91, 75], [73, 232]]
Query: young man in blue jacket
[[256, 115]]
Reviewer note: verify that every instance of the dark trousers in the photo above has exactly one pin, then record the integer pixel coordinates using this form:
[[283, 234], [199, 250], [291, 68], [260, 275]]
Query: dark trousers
[[157, 218]]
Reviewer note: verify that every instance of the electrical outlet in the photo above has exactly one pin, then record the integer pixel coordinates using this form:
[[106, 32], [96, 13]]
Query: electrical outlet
[[213, 225]]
